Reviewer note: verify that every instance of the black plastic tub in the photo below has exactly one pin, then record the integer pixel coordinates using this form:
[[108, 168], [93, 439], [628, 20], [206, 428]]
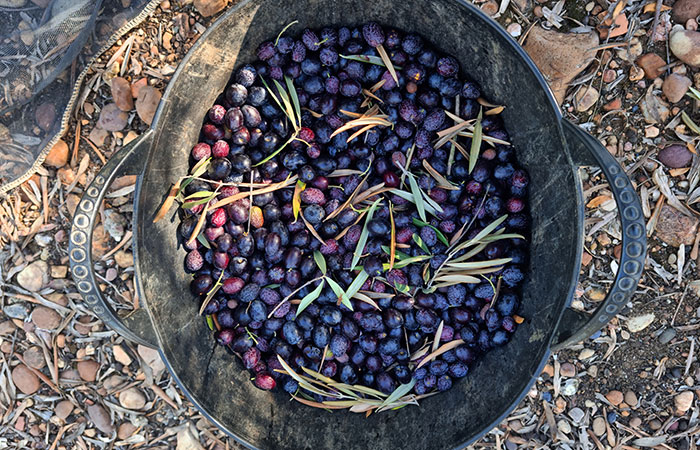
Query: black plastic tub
[[550, 148]]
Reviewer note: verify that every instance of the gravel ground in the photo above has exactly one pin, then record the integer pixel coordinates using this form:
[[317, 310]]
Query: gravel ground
[[66, 381]]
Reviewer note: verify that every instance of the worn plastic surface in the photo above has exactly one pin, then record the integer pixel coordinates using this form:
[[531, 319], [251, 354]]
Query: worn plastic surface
[[216, 382]]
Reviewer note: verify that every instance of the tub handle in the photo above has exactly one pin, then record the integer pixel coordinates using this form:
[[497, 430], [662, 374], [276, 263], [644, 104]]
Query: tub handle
[[575, 326], [136, 326]]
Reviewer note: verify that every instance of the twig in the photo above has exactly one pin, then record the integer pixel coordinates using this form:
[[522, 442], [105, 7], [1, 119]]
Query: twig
[[657, 13]]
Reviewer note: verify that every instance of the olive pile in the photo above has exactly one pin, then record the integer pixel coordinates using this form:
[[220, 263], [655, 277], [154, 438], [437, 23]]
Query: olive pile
[[269, 250]]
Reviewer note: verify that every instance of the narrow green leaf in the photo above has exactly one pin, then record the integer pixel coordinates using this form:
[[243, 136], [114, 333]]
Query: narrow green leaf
[[356, 284], [283, 30], [368, 59], [408, 196], [694, 93], [476, 143], [498, 237], [337, 290], [399, 255], [365, 234], [403, 288], [455, 279], [480, 264], [310, 297], [399, 392], [417, 196], [441, 237], [188, 205], [296, 198], [295, 99], [199, 194], [273, 286], [689, 123], [274, 97], [320, 261], [417, 239], [210, 322], [273, 154], [400, 263], [202, 240], [288, 108], [197, 171]]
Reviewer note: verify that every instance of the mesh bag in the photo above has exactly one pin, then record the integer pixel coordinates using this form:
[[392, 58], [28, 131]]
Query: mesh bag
[[46, 47]]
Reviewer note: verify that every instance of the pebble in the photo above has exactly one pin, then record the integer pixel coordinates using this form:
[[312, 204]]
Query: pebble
[[25, 380], [685, 45], [152, 357], [121, 355], [614, 397], [112, 382], [655, 424], [88, 370], [585, 354], [568, 370], [16, 311], [514, 29], [34, 357], [63, 409], [43, 239], [675, 86], [685, 10], [186, 440], [100, 417], [599, 426], [577, 415], [125, 430], [613, 104], [114, 224], [560, 56], [98, 135], [675, 228], [564, 426], [635, 422], [137, 85], [651, 64], [631, 399], [7, 327], [46, 318], [34, 277], [586, 98], [609, 76], [58, 155], [596, 295], [675, 156], [111, 274], [654, 109], [121, 93], [112, 118], [638, 323], [683, 402], [59, 272], [45, 115], [570, 387], [667, 336], [147, 103], [132, 398], [124, 259], [209, 7]]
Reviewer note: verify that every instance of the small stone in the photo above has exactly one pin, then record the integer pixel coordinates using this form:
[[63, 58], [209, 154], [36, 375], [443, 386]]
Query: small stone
[[559, 405], [685, 10], [25, 380], [683, 402], [88, 370], [548, 370], [614, 397], [111, 274], [675, 228], [655, 424], [560, 56], [147, 103], [98, 135], [209, 7], [563, 426], [635, 422], [610, 29], [667, 336], [132, 398], [34, 277], [59, 271], [586, 259], [599, 426], [114, 224], [121, 93], [112, 118], [187, 440], [577, 415], [125, 430], [685, 45], [585, 98], [638, 323], [46, 318], [121, 355], [16, 311], [609, 76], [613, 104], [7, 327], [112, 382], [651, 131], [34, 357], [63, 409], [636, 73], [490, 8], [596, 295], [100, 418], [124, 259], [152, 357], [654, 109], [45, 116], [567, 370], [514, 29], [137, 85], [652, 65], [631, 399], [675, 86], [570, 387], [58, 155], [585, 354], [675, 156]]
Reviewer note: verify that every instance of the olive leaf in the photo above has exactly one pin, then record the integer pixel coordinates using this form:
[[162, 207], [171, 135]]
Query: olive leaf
[[392, 247], [310, 297], [441, 237], [368, 59], [476, 143], [339, 292], [320, 261], [356, 284], [417, 195], [444, 348], [283, 30], [364, 234], [417, 239], [399, 392], [296, 198]]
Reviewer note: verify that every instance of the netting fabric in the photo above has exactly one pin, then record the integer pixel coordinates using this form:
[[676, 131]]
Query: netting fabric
[[45, 48]]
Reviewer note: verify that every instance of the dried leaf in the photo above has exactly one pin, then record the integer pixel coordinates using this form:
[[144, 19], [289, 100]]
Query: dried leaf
[[168, 203], [476, 144], [444, 348], [392, 246], [270, 188], [296, 198], [442, 181], [438, 336], [387, 62]]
